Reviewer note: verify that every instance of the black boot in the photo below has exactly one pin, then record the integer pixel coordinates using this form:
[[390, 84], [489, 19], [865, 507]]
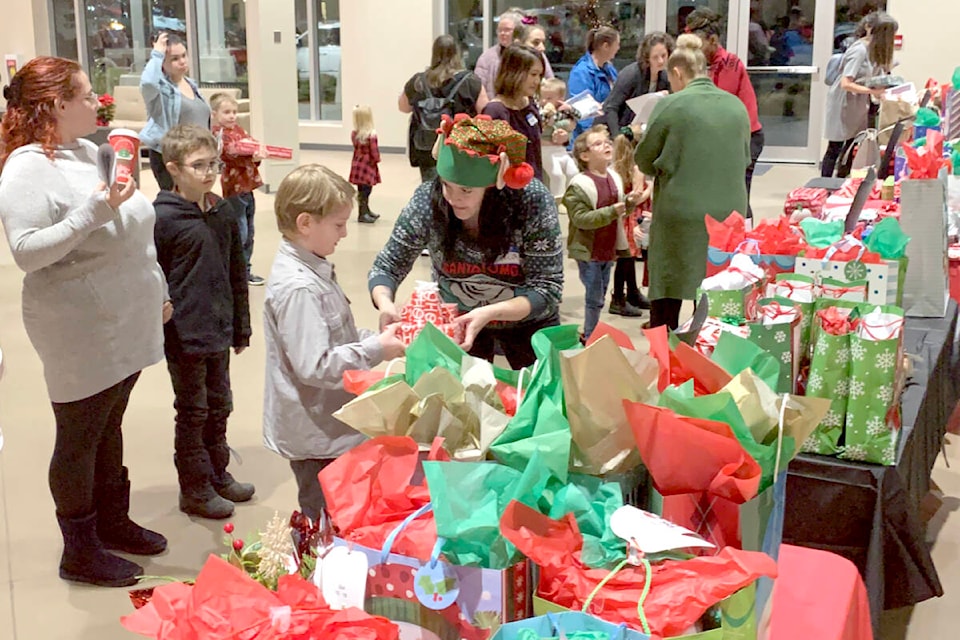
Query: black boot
[[224, 483], [197, 495], [85, 560], [619, 306], [638, 300], [115, 528], [366, 216]]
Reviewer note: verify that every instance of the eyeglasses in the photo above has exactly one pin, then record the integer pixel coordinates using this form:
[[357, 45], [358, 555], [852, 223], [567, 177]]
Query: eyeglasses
[[92, 97], [600, 143], [206, 168]]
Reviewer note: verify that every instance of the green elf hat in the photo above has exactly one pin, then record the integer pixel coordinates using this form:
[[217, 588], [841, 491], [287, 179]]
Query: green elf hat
[[481, 152]]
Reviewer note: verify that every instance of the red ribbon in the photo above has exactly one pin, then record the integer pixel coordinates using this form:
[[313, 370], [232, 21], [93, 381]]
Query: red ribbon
[[838, 292]]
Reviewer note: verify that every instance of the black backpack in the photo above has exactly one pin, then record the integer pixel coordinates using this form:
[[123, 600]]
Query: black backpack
[[429, 111]]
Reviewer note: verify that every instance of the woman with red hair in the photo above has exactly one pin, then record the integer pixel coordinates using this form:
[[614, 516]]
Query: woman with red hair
[[93, 304]]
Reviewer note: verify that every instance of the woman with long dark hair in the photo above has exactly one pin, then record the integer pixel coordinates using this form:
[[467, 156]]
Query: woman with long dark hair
[[494, 240], [171, 98], [849, 100], [647, 75], [93, 306], [445, 76]]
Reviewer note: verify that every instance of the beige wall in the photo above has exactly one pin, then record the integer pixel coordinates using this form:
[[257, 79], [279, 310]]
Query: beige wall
[[273, 96], [23, 30], [931, 47], [383, 44]]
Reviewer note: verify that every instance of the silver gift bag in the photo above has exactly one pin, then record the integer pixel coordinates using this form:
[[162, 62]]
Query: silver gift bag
[[923, 217]]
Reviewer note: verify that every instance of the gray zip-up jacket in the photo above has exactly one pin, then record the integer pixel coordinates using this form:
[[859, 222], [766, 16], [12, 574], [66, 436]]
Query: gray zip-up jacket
[[311, 340]]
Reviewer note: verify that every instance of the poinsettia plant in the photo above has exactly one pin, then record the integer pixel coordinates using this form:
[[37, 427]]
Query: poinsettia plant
[[106, 109]]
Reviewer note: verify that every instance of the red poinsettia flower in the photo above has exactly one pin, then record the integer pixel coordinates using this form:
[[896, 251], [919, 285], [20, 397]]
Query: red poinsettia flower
[[105, 109]]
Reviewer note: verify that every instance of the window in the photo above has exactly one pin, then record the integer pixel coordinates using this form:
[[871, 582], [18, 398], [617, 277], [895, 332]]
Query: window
[[678, 10], [466, 26], [117, 35], [318, 59], [222, 44], [566, 24]]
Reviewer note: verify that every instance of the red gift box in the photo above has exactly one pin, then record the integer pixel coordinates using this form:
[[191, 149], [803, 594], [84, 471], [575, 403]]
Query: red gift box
[[272, 152]]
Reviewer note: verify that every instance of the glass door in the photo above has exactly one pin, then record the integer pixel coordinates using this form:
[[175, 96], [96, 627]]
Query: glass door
[[785, 43]]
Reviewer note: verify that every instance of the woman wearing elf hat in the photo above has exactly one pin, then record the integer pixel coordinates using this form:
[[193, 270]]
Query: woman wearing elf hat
[[494, 240]]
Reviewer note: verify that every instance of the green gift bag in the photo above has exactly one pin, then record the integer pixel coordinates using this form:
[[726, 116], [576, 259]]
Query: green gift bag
[[800, 291], [871, 427], [781, 339], [733, 306], [829, 378], [540, 422]]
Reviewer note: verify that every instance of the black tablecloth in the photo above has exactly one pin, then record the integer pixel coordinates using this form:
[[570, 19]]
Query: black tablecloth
[[870, 513]]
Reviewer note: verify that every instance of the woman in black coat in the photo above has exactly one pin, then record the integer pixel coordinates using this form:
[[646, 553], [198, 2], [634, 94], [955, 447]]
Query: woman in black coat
[[647, 75]]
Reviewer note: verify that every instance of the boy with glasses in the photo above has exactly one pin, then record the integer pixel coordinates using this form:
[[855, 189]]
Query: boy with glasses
[[595, 206], [199, 249]]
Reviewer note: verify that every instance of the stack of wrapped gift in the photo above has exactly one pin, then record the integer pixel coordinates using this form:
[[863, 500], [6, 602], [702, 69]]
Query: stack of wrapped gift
[[425, 306]]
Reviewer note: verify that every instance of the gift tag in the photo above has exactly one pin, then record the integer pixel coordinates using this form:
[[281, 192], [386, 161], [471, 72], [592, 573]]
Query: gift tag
[[343, 578], [651, 533], [436, 586]]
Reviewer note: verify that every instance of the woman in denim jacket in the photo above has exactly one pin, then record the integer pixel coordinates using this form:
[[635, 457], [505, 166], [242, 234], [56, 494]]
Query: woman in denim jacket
[[171, 99]]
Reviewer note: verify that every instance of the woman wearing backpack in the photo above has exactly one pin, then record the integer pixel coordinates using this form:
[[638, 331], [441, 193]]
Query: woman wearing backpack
[[447, 80]]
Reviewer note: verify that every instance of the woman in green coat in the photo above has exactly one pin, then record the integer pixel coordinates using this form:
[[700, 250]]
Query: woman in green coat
[[697, 148]]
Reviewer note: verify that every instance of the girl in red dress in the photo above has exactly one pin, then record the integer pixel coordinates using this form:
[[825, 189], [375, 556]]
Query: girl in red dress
[[364, 169]]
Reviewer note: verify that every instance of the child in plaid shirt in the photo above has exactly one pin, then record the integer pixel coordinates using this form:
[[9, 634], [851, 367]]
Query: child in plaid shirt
[[240, 174], [364, 169]]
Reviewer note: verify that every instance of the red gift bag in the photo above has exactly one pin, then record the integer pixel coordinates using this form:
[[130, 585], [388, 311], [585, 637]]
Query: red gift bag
[[680, 591]]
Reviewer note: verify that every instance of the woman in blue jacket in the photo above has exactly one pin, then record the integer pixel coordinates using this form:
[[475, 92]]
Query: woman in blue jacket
[[171, 99], [594, 72]]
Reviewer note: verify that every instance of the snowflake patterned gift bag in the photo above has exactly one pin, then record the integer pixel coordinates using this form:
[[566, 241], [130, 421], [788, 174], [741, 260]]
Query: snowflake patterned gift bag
[[830, 376], [732, 294], [801, 291], [777, 332], [872, 419]]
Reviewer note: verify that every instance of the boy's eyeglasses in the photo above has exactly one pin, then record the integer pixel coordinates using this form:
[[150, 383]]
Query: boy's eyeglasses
[[600, 143], [206, 168]]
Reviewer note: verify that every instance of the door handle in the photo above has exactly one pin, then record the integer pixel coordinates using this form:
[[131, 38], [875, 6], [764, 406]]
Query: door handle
[[790, 70]]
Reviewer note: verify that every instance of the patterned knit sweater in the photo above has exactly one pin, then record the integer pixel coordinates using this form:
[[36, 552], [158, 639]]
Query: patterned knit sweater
[[533, 267]]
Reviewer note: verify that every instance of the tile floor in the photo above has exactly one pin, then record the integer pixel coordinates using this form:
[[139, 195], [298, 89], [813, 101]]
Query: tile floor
[[35, 604]]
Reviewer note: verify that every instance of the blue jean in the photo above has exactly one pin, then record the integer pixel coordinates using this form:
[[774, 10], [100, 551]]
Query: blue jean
[[595, 276], [245, 206]]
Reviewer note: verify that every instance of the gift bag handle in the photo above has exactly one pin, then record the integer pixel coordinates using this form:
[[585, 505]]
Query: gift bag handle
[[780, 427], [520, 385], [386, 372], [554, 621], [751, 243], [647, 580], [388, 543], [846, 241]]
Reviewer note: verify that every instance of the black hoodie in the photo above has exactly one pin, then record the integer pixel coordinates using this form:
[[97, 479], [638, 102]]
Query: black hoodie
[[202, 257]]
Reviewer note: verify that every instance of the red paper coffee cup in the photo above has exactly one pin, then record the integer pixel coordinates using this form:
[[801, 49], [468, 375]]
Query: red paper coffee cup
[[126, 144]]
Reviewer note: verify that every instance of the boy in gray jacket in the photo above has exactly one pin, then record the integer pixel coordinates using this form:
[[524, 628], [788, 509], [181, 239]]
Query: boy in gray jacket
[[310, 334]]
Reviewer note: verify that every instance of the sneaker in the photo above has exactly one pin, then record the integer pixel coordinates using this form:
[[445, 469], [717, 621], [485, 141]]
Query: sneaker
[[255, 281]]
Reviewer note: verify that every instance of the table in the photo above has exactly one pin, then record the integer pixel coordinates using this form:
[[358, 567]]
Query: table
[[818, 595], [868, 513]]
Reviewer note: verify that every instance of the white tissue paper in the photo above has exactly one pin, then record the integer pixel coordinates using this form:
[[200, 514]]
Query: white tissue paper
[[741, 273], [877, 325]]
